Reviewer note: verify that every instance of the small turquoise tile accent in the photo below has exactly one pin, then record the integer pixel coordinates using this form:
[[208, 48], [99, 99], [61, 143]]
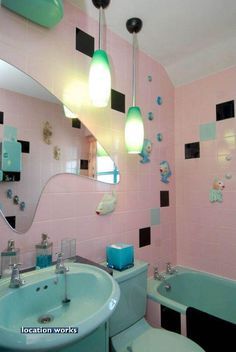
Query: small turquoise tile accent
[[155, 216], [207, 131], [10, 133]]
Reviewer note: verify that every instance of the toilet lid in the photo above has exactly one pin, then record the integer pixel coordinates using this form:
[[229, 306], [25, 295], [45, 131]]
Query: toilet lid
[[159, 340]]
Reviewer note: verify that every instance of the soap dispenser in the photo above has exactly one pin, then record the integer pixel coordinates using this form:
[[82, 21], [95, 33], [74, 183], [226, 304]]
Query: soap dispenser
[[9, 257], [43, 252]]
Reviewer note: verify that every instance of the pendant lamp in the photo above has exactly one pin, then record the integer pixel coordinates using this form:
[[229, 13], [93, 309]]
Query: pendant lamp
[[134, 130], [99, 74]]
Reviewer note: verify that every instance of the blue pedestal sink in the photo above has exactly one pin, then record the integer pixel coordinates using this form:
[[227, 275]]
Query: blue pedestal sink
[[26, 311]]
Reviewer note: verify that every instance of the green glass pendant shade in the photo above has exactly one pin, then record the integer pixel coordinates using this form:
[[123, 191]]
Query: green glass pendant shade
[[47, 13], [100, 79], [134, 130]]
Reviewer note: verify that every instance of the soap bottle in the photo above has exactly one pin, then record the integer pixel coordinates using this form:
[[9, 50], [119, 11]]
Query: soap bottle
[[43, 252], [9, 256]]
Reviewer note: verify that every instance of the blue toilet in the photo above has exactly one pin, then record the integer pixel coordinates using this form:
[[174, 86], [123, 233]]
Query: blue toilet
[[129, 331]]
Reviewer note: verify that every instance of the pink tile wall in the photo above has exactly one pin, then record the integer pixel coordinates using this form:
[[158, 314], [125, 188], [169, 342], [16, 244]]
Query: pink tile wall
[[68, 203], [206, 237]]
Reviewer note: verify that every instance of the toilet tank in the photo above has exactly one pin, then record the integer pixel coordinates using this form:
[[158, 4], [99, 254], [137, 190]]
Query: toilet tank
[[133, 296]]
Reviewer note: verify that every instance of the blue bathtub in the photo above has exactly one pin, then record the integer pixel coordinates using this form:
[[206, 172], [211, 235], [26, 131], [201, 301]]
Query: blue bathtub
[[208, 293]]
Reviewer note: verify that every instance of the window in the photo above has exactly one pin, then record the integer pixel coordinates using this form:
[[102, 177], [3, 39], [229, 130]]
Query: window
[[106, 168]]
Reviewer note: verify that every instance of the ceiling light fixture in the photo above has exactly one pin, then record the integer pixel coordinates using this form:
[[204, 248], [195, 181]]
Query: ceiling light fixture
[[99, 74], [134, 130]]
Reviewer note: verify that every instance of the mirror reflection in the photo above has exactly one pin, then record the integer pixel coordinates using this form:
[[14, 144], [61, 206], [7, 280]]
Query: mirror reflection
[[39, 139]]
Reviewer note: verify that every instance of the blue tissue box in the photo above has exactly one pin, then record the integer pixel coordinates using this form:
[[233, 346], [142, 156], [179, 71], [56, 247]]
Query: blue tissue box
[[120, 256]]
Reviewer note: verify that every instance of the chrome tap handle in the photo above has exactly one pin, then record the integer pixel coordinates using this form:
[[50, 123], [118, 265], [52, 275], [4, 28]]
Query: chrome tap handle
[[16, 265], [155, 270], [15, 268], [156, 274], [60, 266], [16, 280], [60, 256], [169, 269]]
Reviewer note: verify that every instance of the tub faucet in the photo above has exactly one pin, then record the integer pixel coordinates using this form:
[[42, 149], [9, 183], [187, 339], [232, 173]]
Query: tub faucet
[[169, 269], [16, 280], [60, 266], [157, 275]]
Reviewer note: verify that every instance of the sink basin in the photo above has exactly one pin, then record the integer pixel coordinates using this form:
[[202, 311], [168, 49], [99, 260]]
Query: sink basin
[[93, 296]]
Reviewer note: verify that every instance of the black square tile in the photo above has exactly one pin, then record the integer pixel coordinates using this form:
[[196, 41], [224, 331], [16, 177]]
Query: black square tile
[[25, 146], [164, 198], [117, 101], [83, 164], [192, 150], [11, 176], [225, 110], [1, 117], [144, 237], [76, 123], [11, 221], [84, 42]]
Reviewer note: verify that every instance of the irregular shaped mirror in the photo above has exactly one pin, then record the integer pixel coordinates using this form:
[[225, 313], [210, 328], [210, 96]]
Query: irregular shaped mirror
[[38, 141]]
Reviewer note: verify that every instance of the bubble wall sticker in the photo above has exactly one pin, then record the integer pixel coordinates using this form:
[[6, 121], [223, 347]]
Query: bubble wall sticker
[[159, 100], [150, 116], [159, 137], [16, 200], [228, 176], [22, 206], [9, 193], [228, 157]]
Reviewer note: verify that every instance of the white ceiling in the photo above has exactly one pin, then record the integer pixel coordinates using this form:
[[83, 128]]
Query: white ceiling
[[190, 38]]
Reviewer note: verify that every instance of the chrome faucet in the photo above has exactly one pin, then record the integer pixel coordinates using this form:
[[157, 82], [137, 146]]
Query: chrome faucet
[[157, 275], [160, 277], [60, 266], [170, 270], [61, 269], [16, 280]]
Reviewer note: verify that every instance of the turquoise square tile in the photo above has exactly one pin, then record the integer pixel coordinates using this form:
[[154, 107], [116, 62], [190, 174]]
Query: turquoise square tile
[[155, 216], [207, 131]]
